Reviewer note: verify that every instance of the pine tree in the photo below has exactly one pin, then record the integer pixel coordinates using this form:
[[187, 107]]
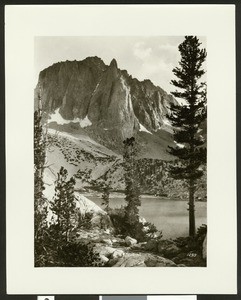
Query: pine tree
[[187, 119], [63, 205], [40, 202], [106, 197], [40, 206], [132, 188], [105, 186]]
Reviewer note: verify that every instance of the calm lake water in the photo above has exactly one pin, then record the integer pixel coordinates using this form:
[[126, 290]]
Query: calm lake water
[[169, 216]]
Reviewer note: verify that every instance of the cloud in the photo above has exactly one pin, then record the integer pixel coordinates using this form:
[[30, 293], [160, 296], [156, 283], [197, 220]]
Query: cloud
[[159, 71], [143, 57], [140, 51]]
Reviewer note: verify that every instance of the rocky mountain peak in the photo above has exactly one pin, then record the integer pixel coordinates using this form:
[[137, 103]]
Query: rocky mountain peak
[[113, 63], [108, 97], [94, 61]]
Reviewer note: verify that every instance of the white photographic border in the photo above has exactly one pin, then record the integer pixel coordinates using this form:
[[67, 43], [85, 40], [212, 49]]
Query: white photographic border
[[217, 23]]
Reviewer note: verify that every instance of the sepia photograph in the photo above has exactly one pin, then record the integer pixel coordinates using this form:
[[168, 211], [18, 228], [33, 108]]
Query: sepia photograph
[[120, 151]]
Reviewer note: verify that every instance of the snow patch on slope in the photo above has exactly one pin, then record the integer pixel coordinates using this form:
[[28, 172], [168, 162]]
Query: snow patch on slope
[[56, 117], [179, 145], [166, 122], [84, 122], [84, 142], [167, 126], [143, 128]]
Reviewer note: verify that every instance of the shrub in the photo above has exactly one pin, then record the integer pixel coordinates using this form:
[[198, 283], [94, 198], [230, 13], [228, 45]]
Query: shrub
[[137, 230], [152, 231], [78, 255], [54, 252], [195, 243], [85, 221]]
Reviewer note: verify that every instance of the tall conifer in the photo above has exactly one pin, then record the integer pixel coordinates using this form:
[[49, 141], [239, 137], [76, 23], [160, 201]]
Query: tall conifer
[[40, 206], [132, 188], [64, 205], [187, 119]]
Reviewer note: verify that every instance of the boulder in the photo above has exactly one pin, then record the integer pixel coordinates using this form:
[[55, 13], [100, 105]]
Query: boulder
[[112, 262], [168, 248], [143, 260], [107, 242], [118, 253], [204, 250], [131, 260], [104, 250], [158, 261], [104, 259], [118, 242], [139, 246], [130, 241]]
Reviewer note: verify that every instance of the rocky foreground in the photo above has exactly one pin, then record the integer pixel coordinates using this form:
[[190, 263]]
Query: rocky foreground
[[118, 251]]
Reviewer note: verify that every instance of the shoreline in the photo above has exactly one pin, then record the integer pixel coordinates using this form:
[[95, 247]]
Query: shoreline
[[116, 194]]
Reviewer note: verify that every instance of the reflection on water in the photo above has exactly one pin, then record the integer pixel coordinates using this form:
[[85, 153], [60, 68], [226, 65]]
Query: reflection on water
[[170, 216]]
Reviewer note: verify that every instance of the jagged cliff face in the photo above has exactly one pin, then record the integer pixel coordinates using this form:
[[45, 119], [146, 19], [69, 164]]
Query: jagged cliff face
[[111, 105], [150, 103], [109, 98], [69, 86]]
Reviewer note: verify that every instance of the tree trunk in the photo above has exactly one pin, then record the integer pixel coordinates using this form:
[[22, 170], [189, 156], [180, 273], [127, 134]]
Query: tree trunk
[[192, 227]]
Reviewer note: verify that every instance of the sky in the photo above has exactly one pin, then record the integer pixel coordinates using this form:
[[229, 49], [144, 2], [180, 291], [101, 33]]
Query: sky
[[143, 57]]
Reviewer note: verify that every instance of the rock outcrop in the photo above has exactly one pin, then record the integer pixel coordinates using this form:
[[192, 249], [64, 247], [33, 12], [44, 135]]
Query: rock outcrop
[[99, 217], [130, 241], [105, 96], [143, 260]]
